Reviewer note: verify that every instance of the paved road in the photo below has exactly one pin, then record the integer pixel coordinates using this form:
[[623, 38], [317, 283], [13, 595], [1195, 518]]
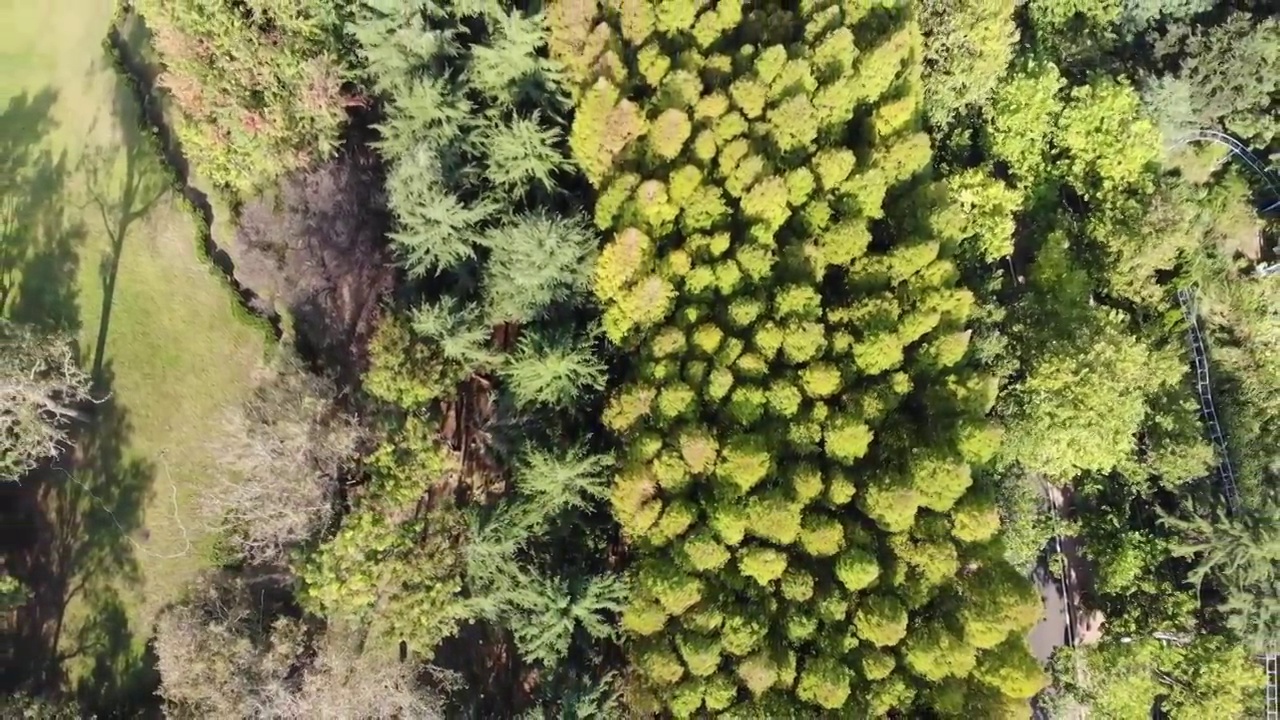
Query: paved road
[[1051, 632]]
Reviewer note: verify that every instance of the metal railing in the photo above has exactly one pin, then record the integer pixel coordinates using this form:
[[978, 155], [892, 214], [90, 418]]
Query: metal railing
[[1225, 473], [1242, 154]]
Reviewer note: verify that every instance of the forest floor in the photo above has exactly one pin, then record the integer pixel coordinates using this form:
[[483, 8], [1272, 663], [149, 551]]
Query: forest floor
[[94, 241]]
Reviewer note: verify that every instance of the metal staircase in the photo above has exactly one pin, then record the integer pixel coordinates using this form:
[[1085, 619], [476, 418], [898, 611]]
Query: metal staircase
[[1204, 389], [1273, 690]]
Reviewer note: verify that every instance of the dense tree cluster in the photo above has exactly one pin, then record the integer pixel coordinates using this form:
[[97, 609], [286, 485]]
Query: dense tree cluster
[[800, 422], [1205, 676], [746, 336], [1071, 170], [1093, 393]]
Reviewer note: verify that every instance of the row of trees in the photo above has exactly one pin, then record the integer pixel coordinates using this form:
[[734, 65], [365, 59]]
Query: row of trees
[[800, 423], [480, 516]]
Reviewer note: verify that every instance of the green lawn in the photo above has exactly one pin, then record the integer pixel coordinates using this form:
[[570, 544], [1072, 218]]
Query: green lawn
[[93, 240]]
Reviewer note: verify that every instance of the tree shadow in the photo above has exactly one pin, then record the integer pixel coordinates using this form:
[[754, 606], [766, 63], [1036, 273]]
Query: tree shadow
[[123, 184], [65, 530], [39, 249], [38, 242], [80, 511]]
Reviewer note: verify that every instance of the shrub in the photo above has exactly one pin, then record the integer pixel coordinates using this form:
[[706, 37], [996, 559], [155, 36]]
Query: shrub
[[255, 103]]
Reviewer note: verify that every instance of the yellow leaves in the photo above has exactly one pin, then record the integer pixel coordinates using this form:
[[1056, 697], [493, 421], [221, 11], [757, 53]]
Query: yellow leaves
[[699, 449], [636, 19], [846, 439], [603, 127], [653, 64], [744, 463], [878, 68], [621, 261], [643, 618], [833, 165], [668, 133], [836, 53], [768, 398], [821, 535], [878, 353], [842, 244], [762, 564], [793, 123], [749, 96]]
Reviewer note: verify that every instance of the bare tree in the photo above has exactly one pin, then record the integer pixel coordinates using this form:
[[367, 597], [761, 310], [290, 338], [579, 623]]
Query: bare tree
[[344, 682], [215, 657], [41, 385], [281, 455], [226, 651]]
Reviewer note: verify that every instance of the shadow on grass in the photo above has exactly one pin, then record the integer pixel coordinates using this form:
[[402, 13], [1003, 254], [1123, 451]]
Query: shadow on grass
[[123, 184], [148, 104], [65, 530], [78, 556], [38, 242]]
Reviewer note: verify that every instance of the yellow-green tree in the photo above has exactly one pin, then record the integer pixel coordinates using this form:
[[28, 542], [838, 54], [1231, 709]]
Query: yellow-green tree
[[797, 409]]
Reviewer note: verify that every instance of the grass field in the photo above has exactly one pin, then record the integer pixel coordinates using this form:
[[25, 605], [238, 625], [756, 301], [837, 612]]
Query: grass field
[[94, 241]]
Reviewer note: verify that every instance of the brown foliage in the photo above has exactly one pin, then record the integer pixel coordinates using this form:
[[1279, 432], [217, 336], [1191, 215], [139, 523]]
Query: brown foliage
[[316, 249]]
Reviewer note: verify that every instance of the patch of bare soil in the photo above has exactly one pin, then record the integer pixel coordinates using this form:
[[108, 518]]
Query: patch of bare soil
[[315, 248]]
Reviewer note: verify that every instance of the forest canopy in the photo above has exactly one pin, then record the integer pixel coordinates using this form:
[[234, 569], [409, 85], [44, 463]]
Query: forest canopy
[[734, 359]]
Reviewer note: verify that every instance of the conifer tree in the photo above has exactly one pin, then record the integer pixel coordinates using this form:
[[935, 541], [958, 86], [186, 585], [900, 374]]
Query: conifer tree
[[488, 362]]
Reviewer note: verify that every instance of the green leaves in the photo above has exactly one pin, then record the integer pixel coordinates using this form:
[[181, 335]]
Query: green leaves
[[522, 154], [1022, 117], [1110, 143], [1240, 554], [547, 613], [508, 69], [1084, 395], [968, 45], [535, 261], [436, 229], [553, 483], [1207, 676], [458, 330]]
